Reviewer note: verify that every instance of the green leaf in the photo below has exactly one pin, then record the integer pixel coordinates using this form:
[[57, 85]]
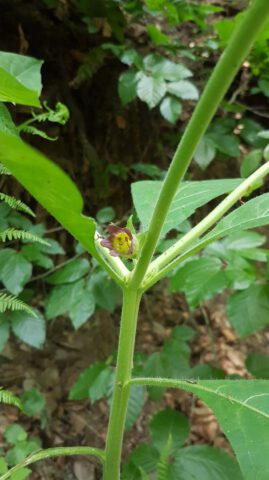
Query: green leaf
[[82, 309], [106, 293], [21, 474], [6, 123], [3, 466], [254, 213], [251, 162], [15, 270], [189, 197], [29, 329], [21, 450], [183, 89], [33, 402], [4, 331], [63, 297], [197, 286], [205, 152], [135, 405], [248, 310], [201, 462], [169, 424], [227, 144], [85, 386], [50, 186], [157, 36], [145, 456], [164, 68], [20, 79], [170, 109], [70, 272], [105, 215], [150, 89], [127, 87], [258, 365], [33, 254], [15, 433]]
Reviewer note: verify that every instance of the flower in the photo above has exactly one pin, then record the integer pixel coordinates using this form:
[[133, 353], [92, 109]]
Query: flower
[[120, 242]]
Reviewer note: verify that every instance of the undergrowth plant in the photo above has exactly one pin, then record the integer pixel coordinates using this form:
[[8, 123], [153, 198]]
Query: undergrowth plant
[[128, 258]]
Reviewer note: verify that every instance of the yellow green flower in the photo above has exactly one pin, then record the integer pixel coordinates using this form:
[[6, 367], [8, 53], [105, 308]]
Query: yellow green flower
[[120, 242]]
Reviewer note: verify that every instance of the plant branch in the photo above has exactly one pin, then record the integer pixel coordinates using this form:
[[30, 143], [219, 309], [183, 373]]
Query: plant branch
[[169, 259], [221, 78], [54, 452]]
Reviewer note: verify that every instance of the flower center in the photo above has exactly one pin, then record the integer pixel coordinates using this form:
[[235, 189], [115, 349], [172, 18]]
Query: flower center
[[122, 243]]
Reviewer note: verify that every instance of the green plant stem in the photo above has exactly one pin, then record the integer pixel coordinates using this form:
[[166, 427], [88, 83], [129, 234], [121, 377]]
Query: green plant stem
[[221, 78], [131, 301], [54, 452], [167, 261]]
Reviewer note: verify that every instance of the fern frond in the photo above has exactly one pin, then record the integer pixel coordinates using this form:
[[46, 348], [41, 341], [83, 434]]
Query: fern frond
[[7, 397], [36, 131], [9, 302], [93, 61], [14, 234], [4, 170], [163, 465], [16, 204]]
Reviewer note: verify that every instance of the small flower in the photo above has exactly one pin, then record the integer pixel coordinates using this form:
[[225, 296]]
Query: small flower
[[120, 242]]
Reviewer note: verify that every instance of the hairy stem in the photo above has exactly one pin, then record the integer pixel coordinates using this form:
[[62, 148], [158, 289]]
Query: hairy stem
[[221, 78], [54, 452], [131, 301]]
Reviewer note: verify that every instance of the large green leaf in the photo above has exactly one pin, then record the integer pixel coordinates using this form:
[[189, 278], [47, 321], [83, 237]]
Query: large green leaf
[[20, 79], [15, 270], [28, 328], [201, 462], [50, 186], [189, 197], [169, 426], [248, 311], [242, 409]]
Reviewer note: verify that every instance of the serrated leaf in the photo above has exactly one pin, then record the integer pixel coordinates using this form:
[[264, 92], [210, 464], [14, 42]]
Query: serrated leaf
[[170, 109], [169, 424], [50, 186], [81, 388], [15, 270], [189, 197], [150, 89], [205, 152], [201, 462], [70, 272], [20, 79], [28, 328], [248, 310], [183, 89], [82, 310], [127, 87], [135, 405], [197, 286], [165, 68], [63, 297]]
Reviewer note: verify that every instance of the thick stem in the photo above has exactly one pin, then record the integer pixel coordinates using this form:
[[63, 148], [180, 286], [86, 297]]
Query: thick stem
[[221, 78], [131, 301]]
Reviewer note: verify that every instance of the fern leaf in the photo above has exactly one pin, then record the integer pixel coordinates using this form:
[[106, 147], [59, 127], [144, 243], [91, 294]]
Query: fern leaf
[[4, 170], [93, 61], [16, 204], [9, 302], [7, 397], [14, 234], [163, 465], [36, 131]]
